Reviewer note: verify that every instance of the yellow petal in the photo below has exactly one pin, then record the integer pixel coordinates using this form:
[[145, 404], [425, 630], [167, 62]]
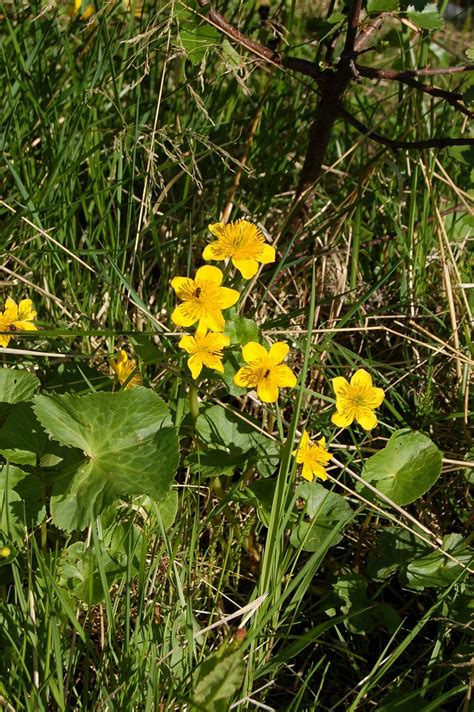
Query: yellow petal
[[375, 397], [341, 420], [267, 391], [209, 273], [278, 352], [210, 253], [218, 341], [214, 321], [195, 365], [227, 297], [26, 311], [340, 386], [253, 352], [4, 339], [245, 378], [183, 315], [319, 471], [366, 418], [25, 326], [307, 472], [216, 228], [283, 376], [304, 439], [213, 361], [183, 286], [247, 268], [361, 378], [11, 310], [267, 254], [188, 343]]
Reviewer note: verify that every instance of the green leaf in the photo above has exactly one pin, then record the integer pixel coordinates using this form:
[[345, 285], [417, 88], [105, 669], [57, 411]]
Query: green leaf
[[425, 16], [322, 519], [437, 571], [218, 678], [79, 570], [470, 53], [242, 330], [468, 96], [22, 439], [195, 36], [21, 502], [16, 385], [352, 590], [405, 469], [226, 434], [168, 507], [130, 445], [394, 548], [374, 7]]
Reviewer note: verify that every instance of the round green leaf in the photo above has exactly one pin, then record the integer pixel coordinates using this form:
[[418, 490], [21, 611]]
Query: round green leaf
[[234, 443], [130, 444], [21, 502], [322, 520], [16, 386], [405, 469]]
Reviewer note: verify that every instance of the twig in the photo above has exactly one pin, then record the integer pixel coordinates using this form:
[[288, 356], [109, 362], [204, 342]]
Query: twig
[[397, 143], [412, 73], [302, 66], [453, 98]]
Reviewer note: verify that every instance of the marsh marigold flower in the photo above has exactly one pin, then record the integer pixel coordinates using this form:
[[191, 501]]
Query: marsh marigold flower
[[16, 317], [313, 457], [123, 368], [203, 299], [205, 350], [265, 371], [243, 243], [356, 400]]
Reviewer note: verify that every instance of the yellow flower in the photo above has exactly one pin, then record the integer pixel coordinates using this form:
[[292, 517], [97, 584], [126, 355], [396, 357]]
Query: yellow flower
[[265, 371], [356, 401], [243, 243], [86, 12], [205, 350], [313, 457], [124, 368], [5, 552], [16, 318], [203, 299]]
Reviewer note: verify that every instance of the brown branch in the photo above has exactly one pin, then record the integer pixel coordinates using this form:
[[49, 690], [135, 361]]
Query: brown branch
[[412, 73], [398, 144], [333, 83], [453, 98], [303, 66]]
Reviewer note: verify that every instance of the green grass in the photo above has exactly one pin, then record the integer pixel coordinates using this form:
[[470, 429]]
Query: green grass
[[117, 151]]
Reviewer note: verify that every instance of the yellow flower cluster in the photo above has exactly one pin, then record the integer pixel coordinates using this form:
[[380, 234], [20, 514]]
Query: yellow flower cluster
[[16, 317], [204, 298], [356, 400]]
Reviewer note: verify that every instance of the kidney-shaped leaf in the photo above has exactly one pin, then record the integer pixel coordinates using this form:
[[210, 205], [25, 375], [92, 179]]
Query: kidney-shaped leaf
[[130, 444], [16, 385], [224, 433], [406, 468], [322, 519]]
